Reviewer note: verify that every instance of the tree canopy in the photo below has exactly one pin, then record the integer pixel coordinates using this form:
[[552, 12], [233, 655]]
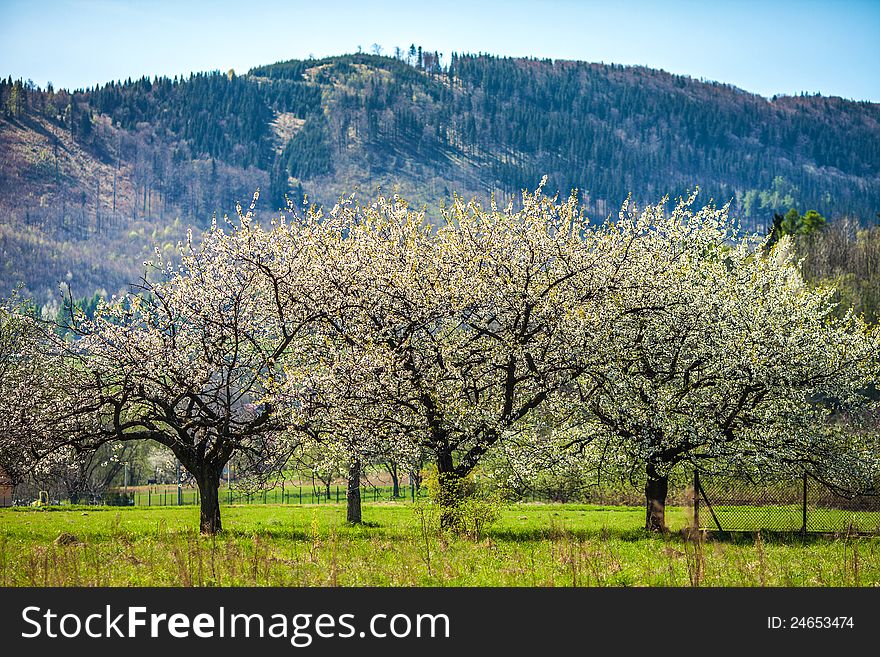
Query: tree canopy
[[657, 339]]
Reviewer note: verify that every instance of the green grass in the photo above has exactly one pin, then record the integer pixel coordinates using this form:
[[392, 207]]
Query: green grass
[[292, 545]]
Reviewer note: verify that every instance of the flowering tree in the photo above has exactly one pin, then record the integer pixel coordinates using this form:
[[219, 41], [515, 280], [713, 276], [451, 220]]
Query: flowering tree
[[329, 372], [452, 338], [188, 360], [16, 377], [40, 398], [722, 358]]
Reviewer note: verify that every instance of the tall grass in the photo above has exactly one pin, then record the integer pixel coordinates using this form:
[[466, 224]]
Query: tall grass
[[289, 545]]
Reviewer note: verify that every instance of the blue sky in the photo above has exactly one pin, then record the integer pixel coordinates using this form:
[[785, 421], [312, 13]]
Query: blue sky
[[764, 46]]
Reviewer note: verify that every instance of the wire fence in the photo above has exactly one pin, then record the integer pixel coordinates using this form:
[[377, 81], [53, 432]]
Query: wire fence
[[799, 505], [184, 496], [715, 503]]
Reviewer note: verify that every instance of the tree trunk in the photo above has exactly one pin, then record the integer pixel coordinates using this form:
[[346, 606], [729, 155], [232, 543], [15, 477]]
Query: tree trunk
[[353, 494], [395, 480], [450, 491], [656, 488], [209, 495]]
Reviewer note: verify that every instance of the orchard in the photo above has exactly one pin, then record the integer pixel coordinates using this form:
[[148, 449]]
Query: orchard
[[652, 342]]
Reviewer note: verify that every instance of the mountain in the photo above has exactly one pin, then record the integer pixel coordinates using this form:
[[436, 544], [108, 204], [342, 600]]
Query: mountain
[[92, 180]]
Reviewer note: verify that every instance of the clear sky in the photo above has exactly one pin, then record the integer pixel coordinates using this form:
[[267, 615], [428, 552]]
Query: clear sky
[[764, 46]]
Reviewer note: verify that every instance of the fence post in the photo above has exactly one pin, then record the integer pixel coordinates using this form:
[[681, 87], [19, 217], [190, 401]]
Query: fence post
[[696, 500], [804, 528]]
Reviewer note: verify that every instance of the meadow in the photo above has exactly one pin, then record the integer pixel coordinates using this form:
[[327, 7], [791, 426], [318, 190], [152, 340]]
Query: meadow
[[399, 545]]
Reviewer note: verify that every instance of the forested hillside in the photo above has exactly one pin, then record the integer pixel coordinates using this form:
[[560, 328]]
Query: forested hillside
[[91, 180]]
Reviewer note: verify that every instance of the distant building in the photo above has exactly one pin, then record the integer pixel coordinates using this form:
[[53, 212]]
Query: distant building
[[5, 489]]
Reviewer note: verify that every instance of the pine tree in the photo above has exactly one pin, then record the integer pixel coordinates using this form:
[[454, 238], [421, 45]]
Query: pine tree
[[15, 103]]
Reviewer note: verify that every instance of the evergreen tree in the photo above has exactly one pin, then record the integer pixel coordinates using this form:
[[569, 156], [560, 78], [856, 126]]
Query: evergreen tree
[[16, 102]]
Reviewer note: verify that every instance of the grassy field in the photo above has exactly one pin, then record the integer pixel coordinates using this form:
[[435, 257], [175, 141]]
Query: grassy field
[[293, 545]]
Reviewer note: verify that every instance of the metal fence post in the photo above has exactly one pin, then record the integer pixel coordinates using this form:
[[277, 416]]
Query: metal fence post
[[804, 528], [696, 500]]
